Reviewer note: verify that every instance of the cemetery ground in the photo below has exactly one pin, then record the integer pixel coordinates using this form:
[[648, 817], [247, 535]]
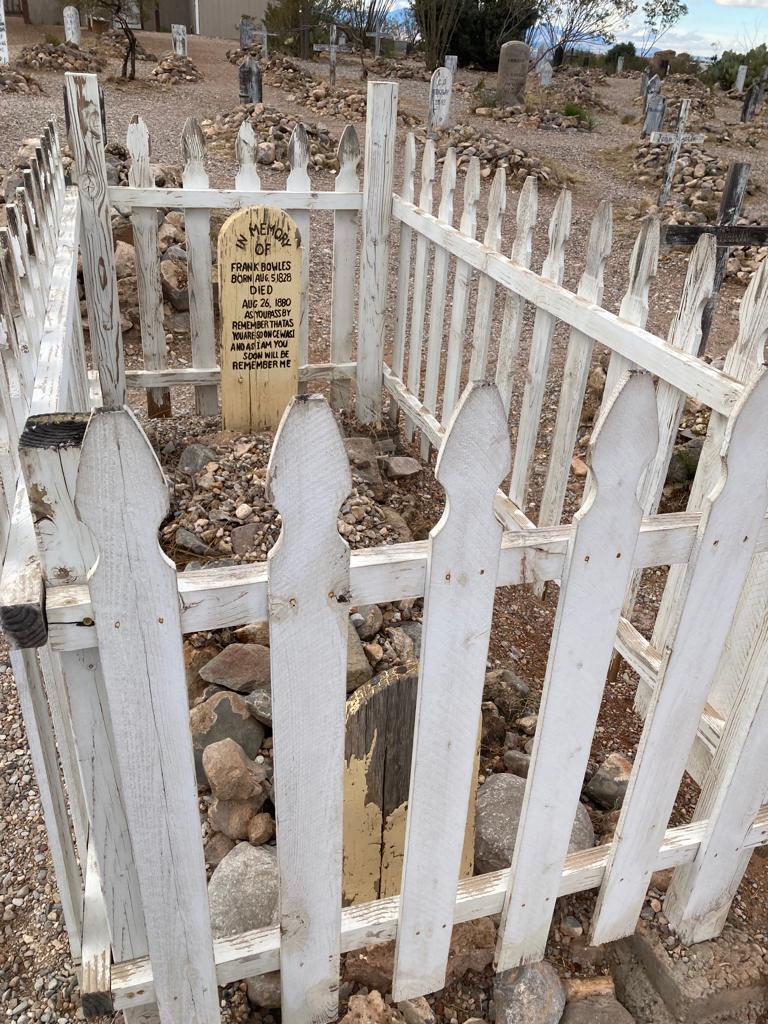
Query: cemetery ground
[[390, 503]]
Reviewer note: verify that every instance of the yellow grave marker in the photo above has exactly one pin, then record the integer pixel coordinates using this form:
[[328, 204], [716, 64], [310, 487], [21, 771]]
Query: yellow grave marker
[[259, 280]]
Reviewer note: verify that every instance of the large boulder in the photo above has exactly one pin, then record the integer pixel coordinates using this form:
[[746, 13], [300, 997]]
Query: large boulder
[[243, 891], [497, 816], [240, 667], [533, 994], [223, 716]]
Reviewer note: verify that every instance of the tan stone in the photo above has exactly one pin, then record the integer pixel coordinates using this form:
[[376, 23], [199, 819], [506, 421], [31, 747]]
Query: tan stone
[[232, 817], [261, 828], [216, 848], [230, 772]]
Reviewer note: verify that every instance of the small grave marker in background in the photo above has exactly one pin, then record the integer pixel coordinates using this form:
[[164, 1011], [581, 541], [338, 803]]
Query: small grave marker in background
[[513, 70], [644, 83], [619, 65], [246, 31], [179, 40], [264, 37], [654, 113], [71, 17], [3, 36], [332, 48], [259, 285], [741, 77], [452, 63], [249, 77], [439, 99], [675, 140], [376, 36], [654, 89], [545, 74], [754, 98]]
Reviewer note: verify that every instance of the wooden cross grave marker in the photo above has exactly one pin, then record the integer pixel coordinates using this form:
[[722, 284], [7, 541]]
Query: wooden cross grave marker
[[675, 140], [332, 48], [264, 37], [376, 36], [727, 232], [259, 293]]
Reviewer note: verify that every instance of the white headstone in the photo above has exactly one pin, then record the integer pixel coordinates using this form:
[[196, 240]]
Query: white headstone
[[71, 17], [439, 99], [3, 36], [452, 63], [619, 65], [179, 40], [545, 74], [741, 77]]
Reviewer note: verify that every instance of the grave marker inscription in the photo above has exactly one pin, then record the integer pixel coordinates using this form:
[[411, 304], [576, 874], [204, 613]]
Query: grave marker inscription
[[439, 99], [513, 70], [71, 17], [259, 290]]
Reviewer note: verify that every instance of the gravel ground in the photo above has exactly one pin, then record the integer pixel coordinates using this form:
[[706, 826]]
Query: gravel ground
[[35, 971]]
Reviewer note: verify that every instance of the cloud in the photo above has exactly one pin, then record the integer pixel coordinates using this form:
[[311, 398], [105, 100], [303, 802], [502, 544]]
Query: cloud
[[758, 4]]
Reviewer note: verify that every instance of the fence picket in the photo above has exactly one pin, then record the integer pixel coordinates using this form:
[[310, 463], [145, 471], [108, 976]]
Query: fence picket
[[716, 570], [344, 255], [403, 273], [596, 571], [299, 181], [538, 362], [34, 300], [308, 479], [25, 200], [197, 225], [122, 498], [700, 894], [575, 373], [461, 292], [147, 257], [458, 604], [486, 287], [420, 278], [247, 178], [437, 301], [514, 305]]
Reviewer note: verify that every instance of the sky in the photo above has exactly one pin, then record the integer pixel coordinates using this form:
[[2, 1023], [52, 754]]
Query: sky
[[711, 26]]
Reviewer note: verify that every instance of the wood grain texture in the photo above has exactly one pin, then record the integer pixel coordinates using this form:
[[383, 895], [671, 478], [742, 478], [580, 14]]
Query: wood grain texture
[[486, 286], [514, 305], [308, 594], [147, 256], [380, 136], [96, 968], [298, 181], [596, 571], [460, 586], [719, 562], [99, 278], [344, 257], [122, 497], [405, 253]]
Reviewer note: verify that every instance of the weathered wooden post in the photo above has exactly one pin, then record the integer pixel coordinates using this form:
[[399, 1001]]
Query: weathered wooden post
[[179, 40], [674, 140], [249, 78], [452, 63], [620, 65], [376, 36], [259, 282], [545, 74], [3, 36], [380, 135], [246, 31], [654, 113], [741, 77]]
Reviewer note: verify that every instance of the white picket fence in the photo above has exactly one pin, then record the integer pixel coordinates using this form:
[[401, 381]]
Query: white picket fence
[[113, 634]]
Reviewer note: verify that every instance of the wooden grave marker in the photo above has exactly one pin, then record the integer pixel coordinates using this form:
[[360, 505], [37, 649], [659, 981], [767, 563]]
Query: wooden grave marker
[[249, 81], [259, 296], [3, 36], [246, 31], [741, 77], [654, 113], [179, 40], [452, 63], [674, 139], [727, 232]]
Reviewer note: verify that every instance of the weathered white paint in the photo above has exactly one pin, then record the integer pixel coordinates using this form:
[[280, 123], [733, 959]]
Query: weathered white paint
[[298, 181], [403, 272], [344, 256], [486, 286]]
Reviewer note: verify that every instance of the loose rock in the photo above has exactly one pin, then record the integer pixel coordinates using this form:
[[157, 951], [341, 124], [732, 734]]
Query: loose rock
[[243, 891], [533, 994]]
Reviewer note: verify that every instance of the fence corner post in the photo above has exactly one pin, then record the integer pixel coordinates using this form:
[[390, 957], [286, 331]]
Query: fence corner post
[[380, 134], [86, 140]]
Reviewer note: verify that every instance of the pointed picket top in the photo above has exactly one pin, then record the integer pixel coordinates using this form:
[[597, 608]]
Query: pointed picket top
[[427, 176], [409, 168], [472, 180], [685, 332], [598, 250], [308, 478], [137, 143], [193, 154], [298, 158], [559, 232], [348, 157], [447, 187], [497, 204], [614, 431], [748, 352], [525, 224], [486, 447], [247, 177], [643, 265]]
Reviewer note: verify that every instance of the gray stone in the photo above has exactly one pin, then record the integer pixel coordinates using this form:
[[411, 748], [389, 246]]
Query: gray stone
[[684, 461], [243, 891], [400, 467], [359, 670], [240, 667], [499, 804], [260, 705], [361, 453], [413, 629], [264, 990], [513, 71], [195, 458], [173, 276], [371, 621], [188, 541], [395, 522], [597, 1010], [223, 716], [216, 848], [439, 98], [518, 762], [533, 994], [608, 785], [244, 538]]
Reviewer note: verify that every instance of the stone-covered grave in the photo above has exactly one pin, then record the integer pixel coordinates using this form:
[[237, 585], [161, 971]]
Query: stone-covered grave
[[173, 69], [59, 57]]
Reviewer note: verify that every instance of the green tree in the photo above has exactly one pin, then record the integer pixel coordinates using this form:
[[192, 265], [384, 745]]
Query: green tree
[[484, 26], [724, 70], [567, 23]]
